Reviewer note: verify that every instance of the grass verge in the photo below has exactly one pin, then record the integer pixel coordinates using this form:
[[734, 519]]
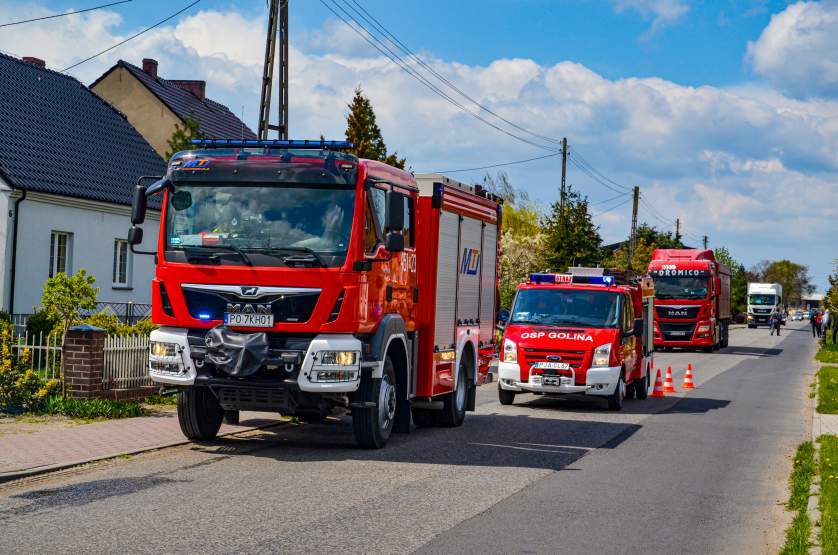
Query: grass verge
[[828, 353], [166, 399], [829, 494], [828, 390], [93, 408], [797, 535]]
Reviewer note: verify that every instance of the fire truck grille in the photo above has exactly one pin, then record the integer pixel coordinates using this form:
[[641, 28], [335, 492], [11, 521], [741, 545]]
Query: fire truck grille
[[251, 398], [295, 308], [678, 312], [674, 331]]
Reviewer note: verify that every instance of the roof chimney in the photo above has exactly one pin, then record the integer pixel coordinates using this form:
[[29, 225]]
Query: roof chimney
[[150, 67], [198, 88], [34, 61]]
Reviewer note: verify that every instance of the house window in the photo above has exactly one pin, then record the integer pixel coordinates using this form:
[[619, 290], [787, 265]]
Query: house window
[[59, 253], [121, 265]]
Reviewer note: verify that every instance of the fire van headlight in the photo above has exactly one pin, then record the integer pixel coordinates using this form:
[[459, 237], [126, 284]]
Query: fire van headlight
[[338, 358], [602, 356], [160, 349], [510, 351]]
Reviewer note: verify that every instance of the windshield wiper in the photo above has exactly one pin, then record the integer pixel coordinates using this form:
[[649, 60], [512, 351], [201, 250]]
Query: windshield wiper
[[314, 256], [230, 248]]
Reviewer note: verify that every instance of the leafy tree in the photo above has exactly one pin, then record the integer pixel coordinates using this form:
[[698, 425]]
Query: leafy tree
[[831, 298], [181, 139], [64, 296], [572, 237], [738, 281], [649, 238], [521, 255], [520, 215], [792, 276], [364, 133]]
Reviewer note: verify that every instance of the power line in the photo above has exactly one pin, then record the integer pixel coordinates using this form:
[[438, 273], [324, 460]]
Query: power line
[[606, 201], [396, 59], [369, 18], [63, 14], [132, 37], [598, 214], [593, 176], [581, 159], [501, 164]]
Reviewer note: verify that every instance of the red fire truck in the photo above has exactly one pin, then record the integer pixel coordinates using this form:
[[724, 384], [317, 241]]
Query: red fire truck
[[294, 277], [692, 299], [587, 332]]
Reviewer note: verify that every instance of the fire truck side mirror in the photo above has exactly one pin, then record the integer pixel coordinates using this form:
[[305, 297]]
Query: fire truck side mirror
[[394, 212], [135, 235], [394, 242], [138, 207], [638, 327]]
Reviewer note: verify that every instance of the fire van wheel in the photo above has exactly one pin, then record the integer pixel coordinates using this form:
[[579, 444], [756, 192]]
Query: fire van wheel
[[615, 400], [373, 426], [505, 396], [199, 413], [454, 408]]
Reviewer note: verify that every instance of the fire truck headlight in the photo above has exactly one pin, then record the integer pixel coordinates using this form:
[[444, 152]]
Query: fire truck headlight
[[338, 358], [602, 356], [510, 351], [704, 328], [160, 349]]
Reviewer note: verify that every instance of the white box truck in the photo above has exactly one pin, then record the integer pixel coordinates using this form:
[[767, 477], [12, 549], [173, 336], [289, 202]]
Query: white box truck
[[763, 299]]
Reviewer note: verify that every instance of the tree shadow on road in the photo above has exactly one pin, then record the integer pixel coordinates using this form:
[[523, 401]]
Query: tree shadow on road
[[652, 405], [752, 351]]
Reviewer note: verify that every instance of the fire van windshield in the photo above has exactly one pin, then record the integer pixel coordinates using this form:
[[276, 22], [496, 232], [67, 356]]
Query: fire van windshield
[[557, 307], [670, 287], [259, 225]]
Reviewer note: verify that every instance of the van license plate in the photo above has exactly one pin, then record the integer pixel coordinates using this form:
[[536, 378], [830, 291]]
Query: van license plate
[[552, 365], [249, 320]]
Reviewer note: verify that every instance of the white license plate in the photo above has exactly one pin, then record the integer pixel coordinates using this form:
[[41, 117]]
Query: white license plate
[[552, 365], [556, 381], [677, 333], [249, 320]]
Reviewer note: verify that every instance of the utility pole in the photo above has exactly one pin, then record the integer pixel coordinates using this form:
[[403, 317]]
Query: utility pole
[[633, 239], [705, 241], [677, 228], [277, 21], [562, 190]]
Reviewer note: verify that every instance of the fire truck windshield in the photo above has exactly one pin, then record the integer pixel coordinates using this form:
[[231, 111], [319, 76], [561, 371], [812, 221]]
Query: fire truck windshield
[[259, 224], [671, 287], [576, 307]]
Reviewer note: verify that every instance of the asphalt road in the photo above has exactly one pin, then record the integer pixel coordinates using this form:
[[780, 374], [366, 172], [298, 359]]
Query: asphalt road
[[703, 472]]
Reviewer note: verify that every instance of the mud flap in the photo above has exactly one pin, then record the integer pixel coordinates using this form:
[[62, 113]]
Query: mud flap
[[402, 423], [471, 399]]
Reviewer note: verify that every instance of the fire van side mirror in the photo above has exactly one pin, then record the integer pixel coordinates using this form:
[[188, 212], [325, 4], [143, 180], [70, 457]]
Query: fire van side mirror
[[503, 318]]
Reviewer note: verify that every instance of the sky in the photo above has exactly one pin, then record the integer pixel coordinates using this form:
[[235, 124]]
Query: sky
[[723, 112]]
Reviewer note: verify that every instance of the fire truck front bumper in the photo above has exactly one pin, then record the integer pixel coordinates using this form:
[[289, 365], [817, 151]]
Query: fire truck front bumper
[[598, 381]]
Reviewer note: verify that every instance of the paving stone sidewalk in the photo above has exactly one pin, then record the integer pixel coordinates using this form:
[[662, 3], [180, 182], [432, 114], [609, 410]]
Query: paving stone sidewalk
[[61, 446], [824, 424]]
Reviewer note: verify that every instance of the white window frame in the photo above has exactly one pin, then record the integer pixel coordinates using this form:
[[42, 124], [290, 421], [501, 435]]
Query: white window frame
[[120, 249], [55, 235]]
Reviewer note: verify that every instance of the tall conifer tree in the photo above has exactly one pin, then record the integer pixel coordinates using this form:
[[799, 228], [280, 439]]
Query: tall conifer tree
[[364, 133]]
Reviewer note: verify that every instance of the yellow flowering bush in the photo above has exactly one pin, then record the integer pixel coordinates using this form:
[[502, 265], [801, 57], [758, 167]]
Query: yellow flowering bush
[[21, 389]]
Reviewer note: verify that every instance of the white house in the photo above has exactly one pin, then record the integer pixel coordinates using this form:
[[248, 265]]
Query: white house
[[68, 166]]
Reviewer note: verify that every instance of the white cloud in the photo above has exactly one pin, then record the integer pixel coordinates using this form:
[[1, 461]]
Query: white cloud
[[740, 164], [661, 12], [798, 50]]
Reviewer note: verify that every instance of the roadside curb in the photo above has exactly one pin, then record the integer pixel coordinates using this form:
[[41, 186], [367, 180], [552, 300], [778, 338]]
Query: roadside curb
[[813, 504], [6, 477]]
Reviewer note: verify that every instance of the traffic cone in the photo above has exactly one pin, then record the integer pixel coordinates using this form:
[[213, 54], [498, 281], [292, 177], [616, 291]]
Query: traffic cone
[[658, 391], [668, 386], [688, 378]]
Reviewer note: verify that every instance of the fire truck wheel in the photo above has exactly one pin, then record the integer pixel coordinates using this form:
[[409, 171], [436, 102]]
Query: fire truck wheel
[[505, 396], [615, 400], [199, 413], [424, 418], [454, 409], [373, 426], [641, 387]]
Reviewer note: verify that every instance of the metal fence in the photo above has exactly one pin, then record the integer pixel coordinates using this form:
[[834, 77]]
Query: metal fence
[[128, 313], [126, 362], [19, 323], [43, 352]]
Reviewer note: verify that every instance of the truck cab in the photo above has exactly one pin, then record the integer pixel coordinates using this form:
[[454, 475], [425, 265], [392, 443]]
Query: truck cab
[[588, 332], [763, 300]]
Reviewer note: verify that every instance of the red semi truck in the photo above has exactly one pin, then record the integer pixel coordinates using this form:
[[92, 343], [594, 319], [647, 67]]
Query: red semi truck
[[294, 277], [587, 332], [692, 299]]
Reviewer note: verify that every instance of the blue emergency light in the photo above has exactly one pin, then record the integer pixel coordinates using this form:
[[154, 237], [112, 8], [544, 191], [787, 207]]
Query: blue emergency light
[[272, 143]]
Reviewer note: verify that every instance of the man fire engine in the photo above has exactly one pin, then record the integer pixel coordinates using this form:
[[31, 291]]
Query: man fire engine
[[588, 331], [294, 277]]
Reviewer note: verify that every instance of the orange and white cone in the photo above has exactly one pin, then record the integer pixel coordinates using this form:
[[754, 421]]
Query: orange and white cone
[[658, 391], [668, 386], [688, 378]]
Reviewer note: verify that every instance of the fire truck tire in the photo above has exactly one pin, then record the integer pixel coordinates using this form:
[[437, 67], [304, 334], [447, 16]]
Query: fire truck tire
[[454, 408], [312, 417], [198, 413], [373, 426], [424, 418], [615, 400], [641, 388], [505, 396]]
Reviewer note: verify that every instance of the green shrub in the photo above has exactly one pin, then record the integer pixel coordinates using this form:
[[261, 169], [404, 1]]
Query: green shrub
[[93, 408], [40, 323], [21, 389], [112, 326], [5, 316]]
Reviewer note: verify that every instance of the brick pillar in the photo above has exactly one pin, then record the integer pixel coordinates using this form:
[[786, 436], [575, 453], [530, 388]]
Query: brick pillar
[[84, 362]]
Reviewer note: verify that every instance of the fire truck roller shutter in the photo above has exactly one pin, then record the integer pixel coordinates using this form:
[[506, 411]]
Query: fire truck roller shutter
[[446, 281], [468, 279], [487, 282]]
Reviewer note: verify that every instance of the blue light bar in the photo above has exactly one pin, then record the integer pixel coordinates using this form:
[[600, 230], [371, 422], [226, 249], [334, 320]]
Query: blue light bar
[[550, 278], [542, 278], [272, 143]]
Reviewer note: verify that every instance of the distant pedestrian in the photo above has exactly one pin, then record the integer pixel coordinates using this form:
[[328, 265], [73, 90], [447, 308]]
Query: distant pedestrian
[[813, 319], [775, 321], [826, 321]]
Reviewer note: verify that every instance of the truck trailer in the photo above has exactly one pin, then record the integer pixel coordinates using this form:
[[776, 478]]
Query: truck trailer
[[295, 277], [692, 299], [763, 299]]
